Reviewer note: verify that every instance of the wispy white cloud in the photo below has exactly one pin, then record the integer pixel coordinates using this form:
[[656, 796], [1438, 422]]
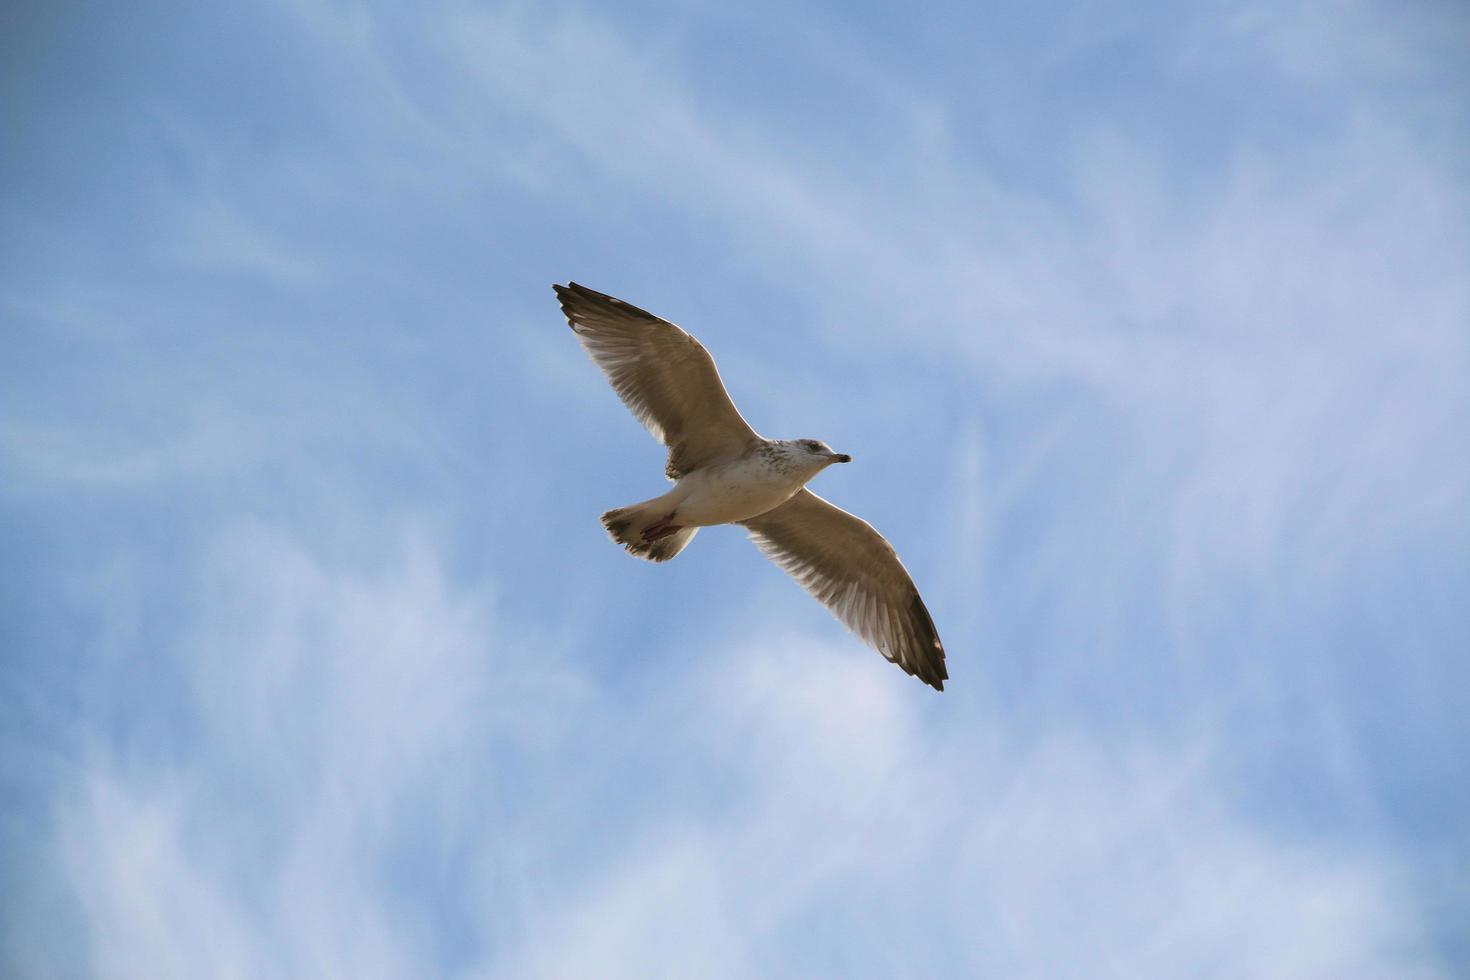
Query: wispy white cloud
[[354, 727], [979, 854], [1209, 396], [333, 720], [1286, 333]]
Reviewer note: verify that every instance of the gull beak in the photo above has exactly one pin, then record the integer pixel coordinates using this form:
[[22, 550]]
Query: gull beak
[[841, 458]]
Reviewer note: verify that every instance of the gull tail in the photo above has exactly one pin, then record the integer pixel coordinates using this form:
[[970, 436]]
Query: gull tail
[[648, 530]]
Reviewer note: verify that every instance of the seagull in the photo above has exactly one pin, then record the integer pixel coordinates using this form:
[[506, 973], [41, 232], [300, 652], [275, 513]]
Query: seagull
[[724, 472]]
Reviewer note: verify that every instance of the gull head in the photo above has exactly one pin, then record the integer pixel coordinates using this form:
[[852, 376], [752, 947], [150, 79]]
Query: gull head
[[813, 453]]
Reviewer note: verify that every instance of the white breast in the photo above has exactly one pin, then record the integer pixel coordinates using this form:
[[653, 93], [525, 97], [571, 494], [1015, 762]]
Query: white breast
[[735, 491]]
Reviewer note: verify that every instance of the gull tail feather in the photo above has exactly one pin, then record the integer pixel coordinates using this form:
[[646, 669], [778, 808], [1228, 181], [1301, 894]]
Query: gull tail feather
[[646, 530]]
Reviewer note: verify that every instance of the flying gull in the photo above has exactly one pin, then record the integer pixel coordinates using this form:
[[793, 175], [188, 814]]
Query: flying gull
[[724, 472]]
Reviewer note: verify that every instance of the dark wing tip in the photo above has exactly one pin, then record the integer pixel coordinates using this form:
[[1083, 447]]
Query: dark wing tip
[[577, 298], [929, 669], [934, 678], [567, 299]]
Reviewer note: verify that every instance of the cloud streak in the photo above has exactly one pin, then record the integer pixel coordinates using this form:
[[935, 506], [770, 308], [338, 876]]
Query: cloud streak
[[340, 713]]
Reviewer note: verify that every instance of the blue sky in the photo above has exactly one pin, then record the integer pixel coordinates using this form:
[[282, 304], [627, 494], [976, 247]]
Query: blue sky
[[1148, 329]]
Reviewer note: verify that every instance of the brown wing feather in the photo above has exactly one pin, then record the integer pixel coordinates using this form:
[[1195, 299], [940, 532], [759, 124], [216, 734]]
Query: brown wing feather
[[852, 570], [665, 377]]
